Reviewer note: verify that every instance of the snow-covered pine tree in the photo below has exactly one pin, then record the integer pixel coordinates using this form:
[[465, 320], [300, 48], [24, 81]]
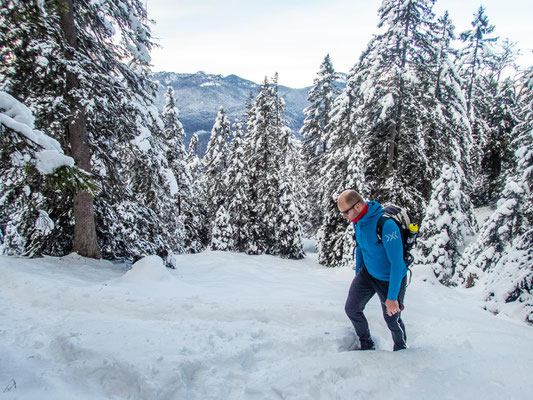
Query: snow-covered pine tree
[[448, 138], [449, 218], [317, 115], [343, 168], [115, 92], [199, 196], [216, 163], [265, 155], [502, 255], [500, 115], [222, 233], [448, 222], [33, 169], [289, 233], [395, 104], [178, 157], [236, 180], [474, 58]]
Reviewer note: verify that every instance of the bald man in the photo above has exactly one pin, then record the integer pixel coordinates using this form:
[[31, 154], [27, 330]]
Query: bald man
[[379, 268]]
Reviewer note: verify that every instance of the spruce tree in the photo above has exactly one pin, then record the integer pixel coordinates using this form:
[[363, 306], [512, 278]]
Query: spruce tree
[[199, 214], [237, 182], [449, 221], [395, 103], [222, 234], [509, 227], [112, 95], [216, 163], [317, 116], [33, 169], [266, 151], [343, 169], [474, 59]]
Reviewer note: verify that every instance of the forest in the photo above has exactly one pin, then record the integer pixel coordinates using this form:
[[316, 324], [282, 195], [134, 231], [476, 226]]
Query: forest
[[437, 121]]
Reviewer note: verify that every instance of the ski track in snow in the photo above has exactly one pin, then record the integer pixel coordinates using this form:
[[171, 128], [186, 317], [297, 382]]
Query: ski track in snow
[[231, 326]]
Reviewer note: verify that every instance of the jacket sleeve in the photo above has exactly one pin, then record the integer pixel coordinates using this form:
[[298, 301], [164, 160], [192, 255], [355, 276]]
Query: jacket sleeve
[[392, 241], [358, 254], [358, 260]]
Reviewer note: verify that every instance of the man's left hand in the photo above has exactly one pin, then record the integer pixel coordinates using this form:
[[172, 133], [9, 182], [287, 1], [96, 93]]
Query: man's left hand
[[392, 307]]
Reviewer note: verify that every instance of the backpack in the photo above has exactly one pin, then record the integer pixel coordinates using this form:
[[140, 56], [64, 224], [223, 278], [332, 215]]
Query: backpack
[[408, 229]]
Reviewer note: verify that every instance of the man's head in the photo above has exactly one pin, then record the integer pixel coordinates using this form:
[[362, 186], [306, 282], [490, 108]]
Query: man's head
[[350, 204]]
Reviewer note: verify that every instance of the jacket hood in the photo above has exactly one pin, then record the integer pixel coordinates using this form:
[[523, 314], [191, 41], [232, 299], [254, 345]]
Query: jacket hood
[[374, 209]]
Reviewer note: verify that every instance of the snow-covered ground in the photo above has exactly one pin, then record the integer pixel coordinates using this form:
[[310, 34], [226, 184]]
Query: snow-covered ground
[[231, 326]]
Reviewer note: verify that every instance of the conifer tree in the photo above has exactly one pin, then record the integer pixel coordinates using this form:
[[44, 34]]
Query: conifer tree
[[178, 159], [504, 237], [266, 149], [394, 104], [236, 180], [448, 222], [113, 98], [343, 169], [475, 58], [33, 169], [222, 234], [317, 116], [216, 163], [448, 138], [500, 117], [198, 199]]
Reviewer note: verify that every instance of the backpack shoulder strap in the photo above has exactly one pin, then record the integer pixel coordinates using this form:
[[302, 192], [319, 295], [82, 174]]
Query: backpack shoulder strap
[[379, 227]]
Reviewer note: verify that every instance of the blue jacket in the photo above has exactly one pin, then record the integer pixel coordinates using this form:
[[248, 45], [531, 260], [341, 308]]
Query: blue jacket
[[384, 261]]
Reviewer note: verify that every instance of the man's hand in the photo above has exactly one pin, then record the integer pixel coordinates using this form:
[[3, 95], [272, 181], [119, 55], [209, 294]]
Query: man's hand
[[392, 307]]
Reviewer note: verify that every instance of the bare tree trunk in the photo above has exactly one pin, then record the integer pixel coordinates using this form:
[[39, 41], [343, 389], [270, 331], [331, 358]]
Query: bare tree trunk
[[85, 242]]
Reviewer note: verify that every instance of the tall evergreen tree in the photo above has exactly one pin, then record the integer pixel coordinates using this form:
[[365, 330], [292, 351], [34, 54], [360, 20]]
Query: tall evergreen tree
[[448, 222], [265, 151], [475, 57], [33, 169], [500, 117], [178, 159], [216, 163], [317, 116], [508, 230], [395, 103], [78, 65], [343, 169], [237, 182], [200, 218]]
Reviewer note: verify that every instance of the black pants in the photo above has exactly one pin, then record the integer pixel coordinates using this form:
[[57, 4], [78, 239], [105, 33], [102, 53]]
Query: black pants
[[363, 288]]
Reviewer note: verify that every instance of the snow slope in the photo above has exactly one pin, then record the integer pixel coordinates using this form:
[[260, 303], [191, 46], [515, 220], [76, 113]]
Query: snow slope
[[232, 326]]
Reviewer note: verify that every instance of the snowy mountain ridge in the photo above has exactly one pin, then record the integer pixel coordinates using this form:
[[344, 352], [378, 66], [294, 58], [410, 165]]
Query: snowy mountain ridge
[[200, 95]]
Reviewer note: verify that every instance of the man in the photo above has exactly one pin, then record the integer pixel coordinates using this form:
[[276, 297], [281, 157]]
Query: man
[[379, 268]]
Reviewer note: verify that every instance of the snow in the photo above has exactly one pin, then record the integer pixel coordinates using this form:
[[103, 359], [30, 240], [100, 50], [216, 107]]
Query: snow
[[18, 117], [171, 180], [48, 160], [232, 326]]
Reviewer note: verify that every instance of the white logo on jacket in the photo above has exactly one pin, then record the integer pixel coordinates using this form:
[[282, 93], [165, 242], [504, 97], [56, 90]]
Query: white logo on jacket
[[392, 236]]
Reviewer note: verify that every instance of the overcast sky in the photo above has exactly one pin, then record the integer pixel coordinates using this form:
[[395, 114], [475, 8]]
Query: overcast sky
[[254, 39]]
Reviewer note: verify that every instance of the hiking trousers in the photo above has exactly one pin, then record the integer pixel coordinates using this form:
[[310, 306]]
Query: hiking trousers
[[363, 288]]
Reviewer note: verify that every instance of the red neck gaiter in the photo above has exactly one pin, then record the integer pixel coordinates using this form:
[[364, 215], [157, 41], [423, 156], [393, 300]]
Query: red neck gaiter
[[360, 215]]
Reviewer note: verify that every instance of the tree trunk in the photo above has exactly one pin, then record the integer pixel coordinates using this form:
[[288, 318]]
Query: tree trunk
[[77, 139]]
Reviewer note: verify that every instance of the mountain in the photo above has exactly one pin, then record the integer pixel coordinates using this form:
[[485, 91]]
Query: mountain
[[200, 95]]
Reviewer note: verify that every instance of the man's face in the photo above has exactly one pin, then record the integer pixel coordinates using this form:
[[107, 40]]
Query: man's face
[[349, 211]]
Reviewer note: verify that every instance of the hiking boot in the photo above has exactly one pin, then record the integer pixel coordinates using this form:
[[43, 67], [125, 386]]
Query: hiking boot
[[397, 348], [367, 345]]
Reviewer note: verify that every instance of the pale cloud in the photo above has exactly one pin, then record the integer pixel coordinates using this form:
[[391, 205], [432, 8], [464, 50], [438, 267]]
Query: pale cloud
[[255, 38]]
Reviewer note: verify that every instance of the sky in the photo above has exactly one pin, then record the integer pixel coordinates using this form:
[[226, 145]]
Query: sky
[[254, 39]]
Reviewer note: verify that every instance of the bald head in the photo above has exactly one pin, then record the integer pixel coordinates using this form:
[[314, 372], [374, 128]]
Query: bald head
[[350, 197], [350, 204]]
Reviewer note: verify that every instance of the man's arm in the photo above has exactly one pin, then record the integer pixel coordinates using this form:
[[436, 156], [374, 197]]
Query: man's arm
[[358, 260], [392, 241]]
